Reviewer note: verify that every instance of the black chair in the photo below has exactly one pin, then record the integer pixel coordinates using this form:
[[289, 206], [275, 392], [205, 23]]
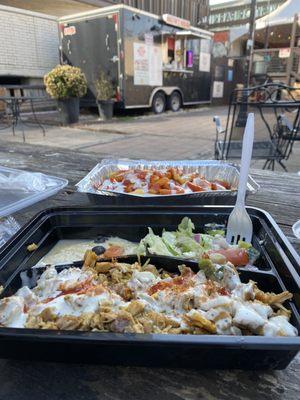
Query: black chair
[[270, 101]]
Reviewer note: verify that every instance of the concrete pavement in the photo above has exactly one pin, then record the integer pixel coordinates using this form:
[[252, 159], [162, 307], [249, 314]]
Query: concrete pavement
[[188, 134]]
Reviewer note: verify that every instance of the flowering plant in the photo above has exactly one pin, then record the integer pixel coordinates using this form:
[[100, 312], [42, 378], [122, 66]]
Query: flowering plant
[[65, 81]]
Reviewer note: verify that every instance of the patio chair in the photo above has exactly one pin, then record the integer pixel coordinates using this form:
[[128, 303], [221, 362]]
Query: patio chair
[[268, 101]]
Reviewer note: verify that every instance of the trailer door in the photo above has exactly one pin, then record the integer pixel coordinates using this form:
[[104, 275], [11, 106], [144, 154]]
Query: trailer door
[[92, 45]]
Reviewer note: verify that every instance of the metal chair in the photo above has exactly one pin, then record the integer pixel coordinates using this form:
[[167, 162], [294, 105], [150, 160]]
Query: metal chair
[[268, 100]]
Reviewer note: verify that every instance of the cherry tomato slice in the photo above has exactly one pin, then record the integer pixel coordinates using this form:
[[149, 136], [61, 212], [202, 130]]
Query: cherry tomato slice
[[113, 251], [237, 257]]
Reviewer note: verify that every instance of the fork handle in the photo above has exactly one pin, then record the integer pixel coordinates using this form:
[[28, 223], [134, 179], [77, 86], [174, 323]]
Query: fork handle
[[246, 159]]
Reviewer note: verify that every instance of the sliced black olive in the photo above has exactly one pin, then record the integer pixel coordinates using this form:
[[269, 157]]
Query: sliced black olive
[[101, 239], [98, 250]]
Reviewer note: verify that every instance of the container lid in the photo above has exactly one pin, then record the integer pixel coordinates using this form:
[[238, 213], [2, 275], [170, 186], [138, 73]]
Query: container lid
[[20, 189]]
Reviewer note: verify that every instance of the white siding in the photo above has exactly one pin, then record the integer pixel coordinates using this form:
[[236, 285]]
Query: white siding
[[28, 43]]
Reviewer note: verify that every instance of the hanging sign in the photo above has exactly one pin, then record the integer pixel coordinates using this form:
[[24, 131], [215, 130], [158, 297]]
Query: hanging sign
[[218, 89], [284, 52], [204, 57], [148, 39], [69, 30], [176, 21]]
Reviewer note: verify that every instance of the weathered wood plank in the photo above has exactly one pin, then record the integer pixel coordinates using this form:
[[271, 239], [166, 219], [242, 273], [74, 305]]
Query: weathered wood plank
[[278, 195], [62, 163]]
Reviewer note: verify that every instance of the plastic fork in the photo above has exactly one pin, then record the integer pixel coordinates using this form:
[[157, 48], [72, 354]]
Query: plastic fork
[[239, 226]]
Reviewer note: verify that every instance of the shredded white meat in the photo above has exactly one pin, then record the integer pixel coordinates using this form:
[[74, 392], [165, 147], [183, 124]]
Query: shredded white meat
[[121, 297]]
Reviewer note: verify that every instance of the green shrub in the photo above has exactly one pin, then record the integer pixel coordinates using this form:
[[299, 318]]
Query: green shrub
[[65, 81]]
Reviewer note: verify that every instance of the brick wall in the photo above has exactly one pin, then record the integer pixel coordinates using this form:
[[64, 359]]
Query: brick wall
[[28, 43]]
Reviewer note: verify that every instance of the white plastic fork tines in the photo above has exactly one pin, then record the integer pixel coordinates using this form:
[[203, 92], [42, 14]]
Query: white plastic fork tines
[[239, 226]]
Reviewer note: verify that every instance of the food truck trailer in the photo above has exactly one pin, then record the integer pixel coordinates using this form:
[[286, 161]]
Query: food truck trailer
[[153, 61]]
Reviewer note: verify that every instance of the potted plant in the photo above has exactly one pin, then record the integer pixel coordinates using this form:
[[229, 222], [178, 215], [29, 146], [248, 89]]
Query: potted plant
[[104, 94], [66, 84]]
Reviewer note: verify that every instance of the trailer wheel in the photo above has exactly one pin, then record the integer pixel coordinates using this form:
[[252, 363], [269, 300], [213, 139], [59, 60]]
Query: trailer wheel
[[174, 101], [159, 103]]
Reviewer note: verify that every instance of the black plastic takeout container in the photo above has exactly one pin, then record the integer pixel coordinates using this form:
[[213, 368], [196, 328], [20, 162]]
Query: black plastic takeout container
[[278, 270]]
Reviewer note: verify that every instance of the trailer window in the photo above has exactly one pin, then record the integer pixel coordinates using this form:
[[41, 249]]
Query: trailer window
[[192, 52], [174, 50], [194, 46], [181, 51], [171, 49]]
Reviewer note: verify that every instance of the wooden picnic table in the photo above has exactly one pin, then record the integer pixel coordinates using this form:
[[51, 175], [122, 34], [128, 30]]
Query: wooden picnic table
[[279, 195]]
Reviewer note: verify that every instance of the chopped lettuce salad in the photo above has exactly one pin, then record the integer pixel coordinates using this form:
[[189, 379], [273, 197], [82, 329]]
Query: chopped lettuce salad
[[186, 243]]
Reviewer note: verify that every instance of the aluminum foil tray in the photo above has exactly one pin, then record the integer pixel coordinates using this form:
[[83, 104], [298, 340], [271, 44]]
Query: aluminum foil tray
[[210, 169]]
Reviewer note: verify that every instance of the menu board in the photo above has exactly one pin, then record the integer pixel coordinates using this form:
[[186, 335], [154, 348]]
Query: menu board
[[155, 66], [147, 64], [141, 64], [218, 89]]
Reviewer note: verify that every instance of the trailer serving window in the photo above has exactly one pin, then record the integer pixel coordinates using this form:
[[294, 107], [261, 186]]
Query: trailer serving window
[[179, 50], [173, 52]]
